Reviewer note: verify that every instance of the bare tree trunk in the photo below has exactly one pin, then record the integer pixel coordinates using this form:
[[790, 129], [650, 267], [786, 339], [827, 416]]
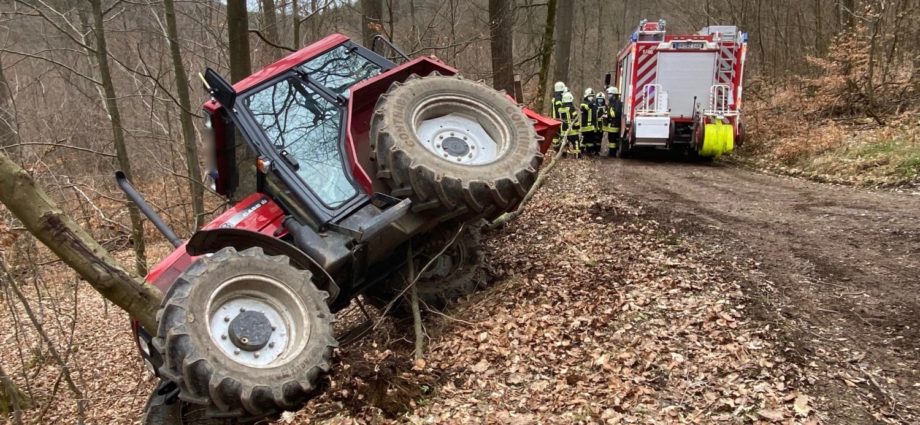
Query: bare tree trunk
[[61, 234], [501, 25], [372, 19], [413, 39], [546, 53], [565, 15], [270, 28], [118, 133], [240, 67], [295, 21], [7, 127], [185, 115]]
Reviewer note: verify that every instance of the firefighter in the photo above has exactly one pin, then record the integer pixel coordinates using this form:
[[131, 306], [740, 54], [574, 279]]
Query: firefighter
[[558, 89], [600, 110], [568, 115], [613, 118], [589, 128]]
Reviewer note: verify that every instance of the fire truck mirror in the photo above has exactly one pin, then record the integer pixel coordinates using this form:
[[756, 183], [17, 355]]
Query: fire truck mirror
[[607, 80]]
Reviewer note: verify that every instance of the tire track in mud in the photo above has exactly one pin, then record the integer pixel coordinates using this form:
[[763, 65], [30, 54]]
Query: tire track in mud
[[839, 275]]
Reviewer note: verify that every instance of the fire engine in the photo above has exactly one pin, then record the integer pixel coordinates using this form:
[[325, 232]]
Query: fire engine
[[681, 91]]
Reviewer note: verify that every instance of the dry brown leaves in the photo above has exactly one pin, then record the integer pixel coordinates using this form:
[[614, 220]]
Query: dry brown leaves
[[597, 314]]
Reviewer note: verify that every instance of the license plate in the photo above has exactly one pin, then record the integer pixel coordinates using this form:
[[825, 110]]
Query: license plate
[[688, 45]]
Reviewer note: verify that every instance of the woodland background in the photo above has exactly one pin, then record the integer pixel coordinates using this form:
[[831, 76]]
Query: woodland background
[[832, 91]]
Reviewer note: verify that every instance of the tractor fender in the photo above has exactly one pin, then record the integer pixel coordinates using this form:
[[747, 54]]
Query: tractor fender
[[210, 241]]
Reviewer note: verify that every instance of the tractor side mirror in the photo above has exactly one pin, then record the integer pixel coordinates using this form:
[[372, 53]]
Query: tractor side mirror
[[219, 88], [607, 80]]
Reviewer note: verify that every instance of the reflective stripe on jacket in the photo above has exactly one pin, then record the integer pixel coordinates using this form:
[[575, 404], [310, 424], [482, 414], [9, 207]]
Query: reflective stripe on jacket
[[588, 118], [568, 115]]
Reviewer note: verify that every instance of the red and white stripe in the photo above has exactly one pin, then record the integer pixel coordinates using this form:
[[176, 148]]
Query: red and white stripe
[[646, 72]]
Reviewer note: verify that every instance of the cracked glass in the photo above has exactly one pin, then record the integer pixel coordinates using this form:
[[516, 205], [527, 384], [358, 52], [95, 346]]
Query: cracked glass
[[298, 120]]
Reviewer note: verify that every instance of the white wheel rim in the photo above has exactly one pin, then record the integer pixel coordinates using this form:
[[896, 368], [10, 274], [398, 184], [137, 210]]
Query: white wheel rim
[[460, 130], [284, 311]]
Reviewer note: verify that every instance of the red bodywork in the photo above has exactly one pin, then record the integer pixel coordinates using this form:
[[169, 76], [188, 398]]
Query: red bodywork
[[642, 58], [258, 213]]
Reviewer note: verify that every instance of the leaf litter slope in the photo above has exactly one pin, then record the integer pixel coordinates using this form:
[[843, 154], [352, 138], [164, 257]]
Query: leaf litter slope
[[597, 314]]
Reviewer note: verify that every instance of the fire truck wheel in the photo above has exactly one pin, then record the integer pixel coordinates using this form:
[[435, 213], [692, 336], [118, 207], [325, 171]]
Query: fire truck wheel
[[453, 274], [456, 147], [244, 334]]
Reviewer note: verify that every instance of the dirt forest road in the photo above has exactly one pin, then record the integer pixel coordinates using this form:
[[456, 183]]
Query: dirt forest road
[[837, 276]]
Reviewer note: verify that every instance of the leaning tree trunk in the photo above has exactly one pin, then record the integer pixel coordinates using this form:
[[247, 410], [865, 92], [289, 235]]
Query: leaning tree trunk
[[564, 17], [546, 53], [501, 27], [73, 245], [185, 115], [118, 133], [240, 67]]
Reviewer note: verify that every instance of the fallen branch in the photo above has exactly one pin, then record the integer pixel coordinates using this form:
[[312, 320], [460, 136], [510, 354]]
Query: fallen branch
[[416, 312], [541, 178]]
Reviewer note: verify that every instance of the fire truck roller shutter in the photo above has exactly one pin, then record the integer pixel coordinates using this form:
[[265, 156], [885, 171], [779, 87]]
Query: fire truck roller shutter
[[685, 76]]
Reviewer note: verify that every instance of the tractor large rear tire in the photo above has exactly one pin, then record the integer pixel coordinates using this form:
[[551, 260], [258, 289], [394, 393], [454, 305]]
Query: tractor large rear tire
[[244, 335], [456, 273], [458, 148]]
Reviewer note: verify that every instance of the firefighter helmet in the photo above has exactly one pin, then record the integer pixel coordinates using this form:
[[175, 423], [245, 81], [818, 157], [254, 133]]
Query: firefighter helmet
[[589, 92], [559, 86], [613, 90], [567, 97], [600, 96]]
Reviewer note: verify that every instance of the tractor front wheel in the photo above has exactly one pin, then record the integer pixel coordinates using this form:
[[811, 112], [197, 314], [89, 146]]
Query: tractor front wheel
[[244, 334]]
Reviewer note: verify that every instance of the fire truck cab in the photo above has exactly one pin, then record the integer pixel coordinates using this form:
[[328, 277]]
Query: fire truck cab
[[681, 91]]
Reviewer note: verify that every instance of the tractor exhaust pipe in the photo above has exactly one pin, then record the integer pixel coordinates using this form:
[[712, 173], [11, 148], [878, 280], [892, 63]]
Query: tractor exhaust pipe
[[145, 208]]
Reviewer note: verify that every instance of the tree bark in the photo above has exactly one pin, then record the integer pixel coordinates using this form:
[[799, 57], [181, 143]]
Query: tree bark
[[12, 400], [501, 25], [295, 23], [185, 115], [270, 28], [118, 132], [372, 20], [546, 54], [76, 248], [240, 67], [565, 15], [7, 123]]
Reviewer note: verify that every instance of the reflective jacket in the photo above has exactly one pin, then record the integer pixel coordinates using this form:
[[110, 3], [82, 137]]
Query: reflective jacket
[[557, 103], [568, 115], [588, 117], [614, 115]]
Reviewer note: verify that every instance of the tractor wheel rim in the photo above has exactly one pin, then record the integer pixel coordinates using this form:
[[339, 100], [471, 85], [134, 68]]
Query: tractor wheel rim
[[257, 321], [460, 130]]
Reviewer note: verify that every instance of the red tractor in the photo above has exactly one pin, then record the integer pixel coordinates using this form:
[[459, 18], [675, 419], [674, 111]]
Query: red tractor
[[360, 161]]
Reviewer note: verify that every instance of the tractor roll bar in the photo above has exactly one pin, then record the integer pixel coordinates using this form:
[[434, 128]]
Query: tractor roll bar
[[145, 208]]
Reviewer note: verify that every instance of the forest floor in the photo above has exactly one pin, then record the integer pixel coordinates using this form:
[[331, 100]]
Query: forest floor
[[631, 291]]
